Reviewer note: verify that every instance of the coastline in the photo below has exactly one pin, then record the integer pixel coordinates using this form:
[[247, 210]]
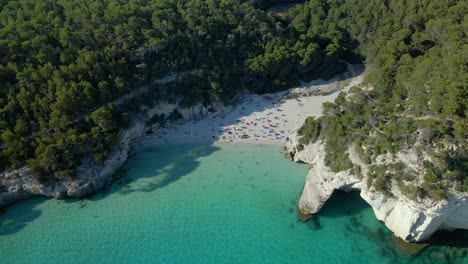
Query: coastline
[[197, 125], [269, 119], [256, 119], [273, 119]]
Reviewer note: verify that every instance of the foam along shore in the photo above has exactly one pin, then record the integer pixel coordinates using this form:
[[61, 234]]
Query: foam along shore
[[258, 119]]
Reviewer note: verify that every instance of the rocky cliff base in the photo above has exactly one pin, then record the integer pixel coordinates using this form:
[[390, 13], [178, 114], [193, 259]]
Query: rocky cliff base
[[410, 220], [21, 183]]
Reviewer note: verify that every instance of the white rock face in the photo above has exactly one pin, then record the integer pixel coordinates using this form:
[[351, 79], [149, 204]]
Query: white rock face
[[91, 178], [414, 221], [410, 220], [321, 181]]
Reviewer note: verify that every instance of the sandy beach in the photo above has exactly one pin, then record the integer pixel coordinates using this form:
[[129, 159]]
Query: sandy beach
[[259, 119]]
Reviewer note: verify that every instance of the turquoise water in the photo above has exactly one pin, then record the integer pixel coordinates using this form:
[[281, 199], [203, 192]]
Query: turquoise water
[[201, 204]]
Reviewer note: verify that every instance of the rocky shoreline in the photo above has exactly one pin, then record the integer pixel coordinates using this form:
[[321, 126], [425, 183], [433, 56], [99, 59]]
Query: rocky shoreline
[[20, 184], [412, 221], [409, 220]]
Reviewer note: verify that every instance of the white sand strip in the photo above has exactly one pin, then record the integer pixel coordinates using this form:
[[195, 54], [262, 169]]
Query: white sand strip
[[259, 119]]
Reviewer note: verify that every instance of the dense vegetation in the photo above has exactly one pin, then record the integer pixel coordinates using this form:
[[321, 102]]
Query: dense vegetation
[[417, 95], [64, 62]]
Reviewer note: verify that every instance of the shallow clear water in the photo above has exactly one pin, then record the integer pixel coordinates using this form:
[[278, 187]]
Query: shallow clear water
[[201, 204]]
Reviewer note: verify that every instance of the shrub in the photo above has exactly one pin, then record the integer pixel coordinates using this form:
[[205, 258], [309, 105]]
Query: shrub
[[309, 131]]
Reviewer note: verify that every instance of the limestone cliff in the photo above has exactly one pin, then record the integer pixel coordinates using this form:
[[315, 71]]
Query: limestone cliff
[[21, 184], [409, 219]]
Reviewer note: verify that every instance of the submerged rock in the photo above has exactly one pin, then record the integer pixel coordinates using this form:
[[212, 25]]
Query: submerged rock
[[409, 249], [304, 217], [82, 204], [314, 223]]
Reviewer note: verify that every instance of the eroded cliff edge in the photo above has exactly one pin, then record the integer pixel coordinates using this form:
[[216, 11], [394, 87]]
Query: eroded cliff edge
[[410, 219], [19, 184]]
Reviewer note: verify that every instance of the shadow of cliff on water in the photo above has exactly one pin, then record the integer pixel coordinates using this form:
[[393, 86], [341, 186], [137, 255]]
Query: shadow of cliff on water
[[343, 204], [455, 239], [346, 205], [443, 247], [157, 167], [15, 218]]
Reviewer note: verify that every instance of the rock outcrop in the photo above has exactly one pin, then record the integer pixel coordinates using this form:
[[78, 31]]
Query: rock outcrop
[[321, 181], [408, 219], [21, 184]]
